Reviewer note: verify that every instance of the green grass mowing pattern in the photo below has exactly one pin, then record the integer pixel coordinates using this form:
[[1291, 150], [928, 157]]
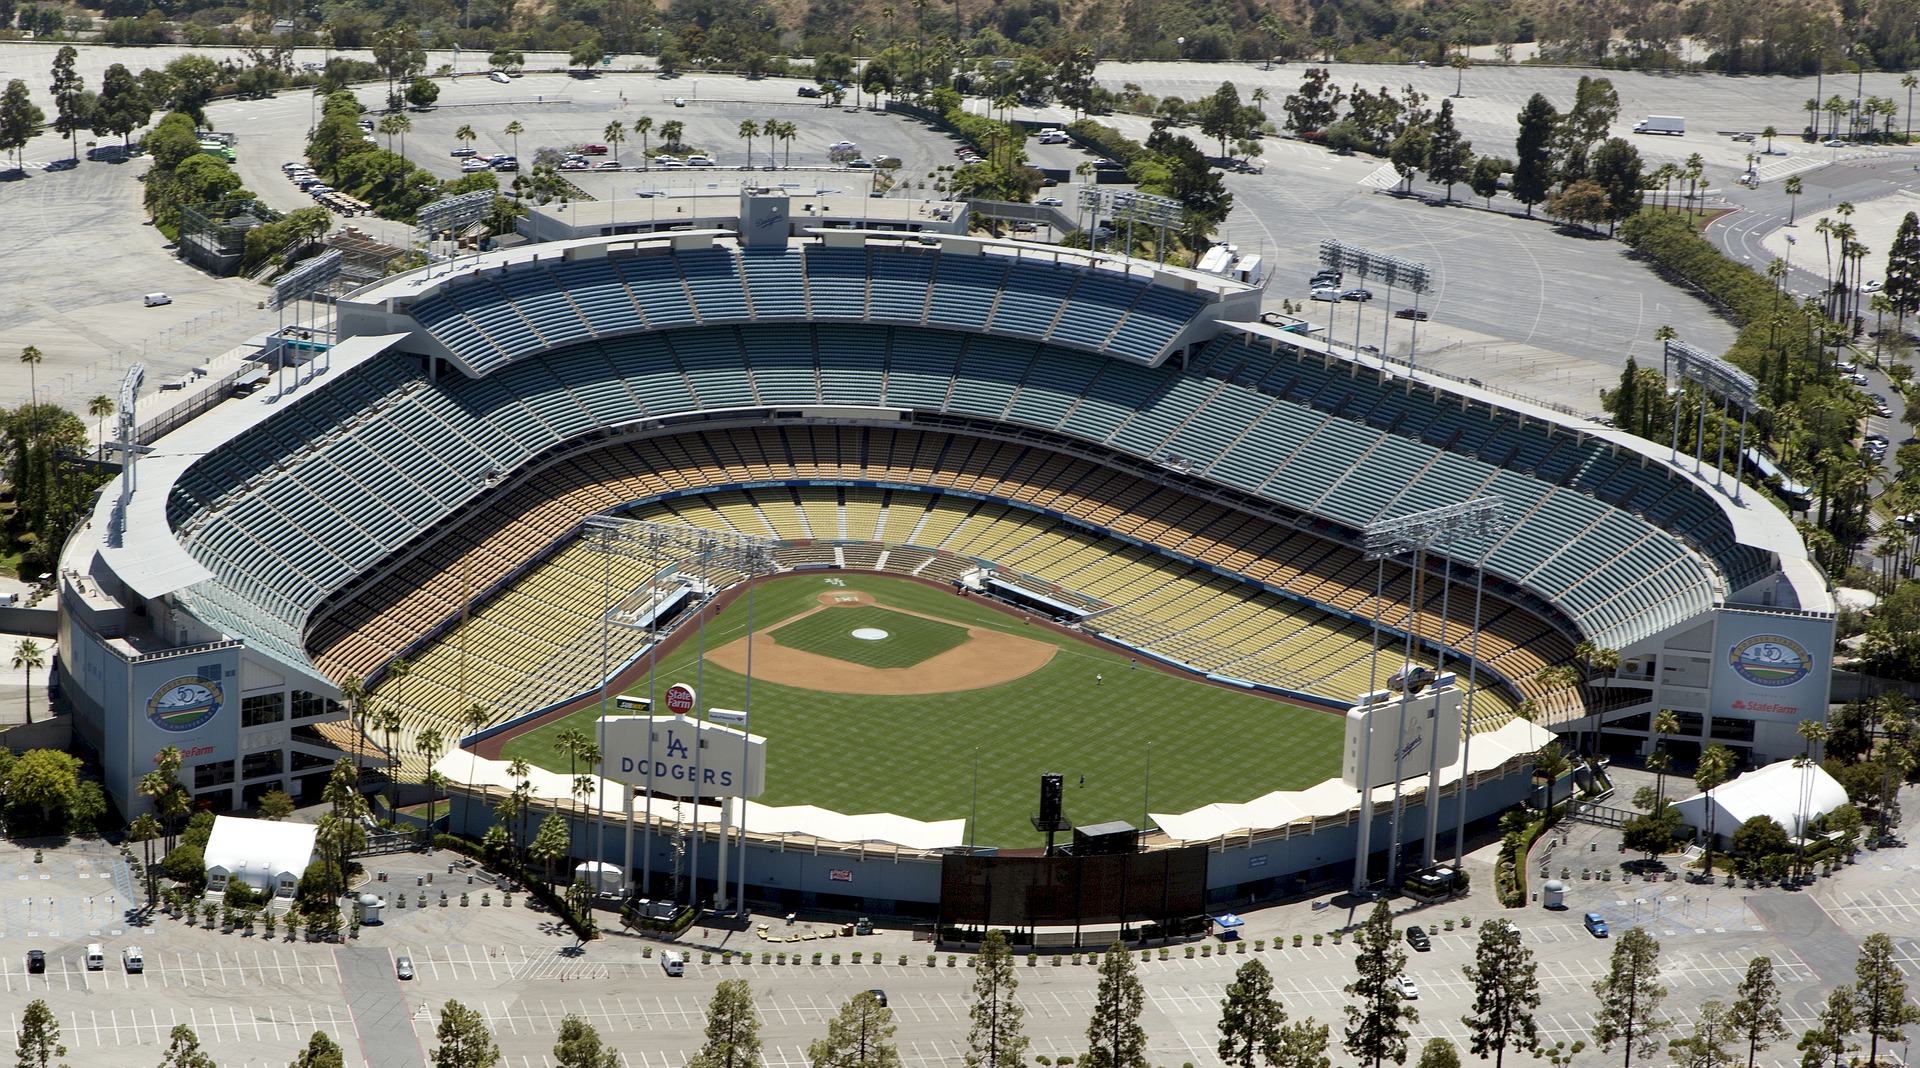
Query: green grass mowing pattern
[[909, 640], [916, 755]]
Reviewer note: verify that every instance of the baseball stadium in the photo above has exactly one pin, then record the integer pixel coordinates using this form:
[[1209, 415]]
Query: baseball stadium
[[935, 515]]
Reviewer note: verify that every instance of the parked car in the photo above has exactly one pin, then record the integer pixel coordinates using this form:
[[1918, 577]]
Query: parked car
[[1358, 293], [463, 152], [702, 161], [1417, 938], [1108, 165], [1051, 202], [879, 995], [607, 165], [507, 165], [1873, 287], [810, 91], [1857, 378], [573, 165], [1596, 924], [679, 101], [860, 164], [595, 150], [1415, 314], [498, 76], [843, 146], [1407, 988], [36, 961], [1747, 137], [403, 967], [1328, 294], [471, 165], [1833, 142]]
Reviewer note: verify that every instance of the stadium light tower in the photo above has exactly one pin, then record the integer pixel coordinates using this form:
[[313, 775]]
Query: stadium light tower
[[1420, 532], [1736, 389], [1394, 271]]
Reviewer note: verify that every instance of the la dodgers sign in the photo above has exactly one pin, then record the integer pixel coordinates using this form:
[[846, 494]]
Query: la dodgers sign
[[681, 756]]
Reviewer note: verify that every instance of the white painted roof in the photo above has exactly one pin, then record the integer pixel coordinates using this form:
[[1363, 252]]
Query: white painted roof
[[1779, 790], [264, 849]]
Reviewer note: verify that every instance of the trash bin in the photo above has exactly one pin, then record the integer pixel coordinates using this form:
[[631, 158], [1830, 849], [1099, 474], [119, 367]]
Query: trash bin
[[1554, 894]]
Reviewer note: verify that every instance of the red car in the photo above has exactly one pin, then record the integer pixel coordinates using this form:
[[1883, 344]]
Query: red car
[[595, 150]]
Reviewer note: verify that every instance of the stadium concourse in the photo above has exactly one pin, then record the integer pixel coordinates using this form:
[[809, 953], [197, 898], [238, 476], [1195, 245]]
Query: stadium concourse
[[1131, 447]]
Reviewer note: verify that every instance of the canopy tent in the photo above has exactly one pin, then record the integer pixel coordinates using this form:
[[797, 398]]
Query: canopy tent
[[267, 855], [1791, 795]]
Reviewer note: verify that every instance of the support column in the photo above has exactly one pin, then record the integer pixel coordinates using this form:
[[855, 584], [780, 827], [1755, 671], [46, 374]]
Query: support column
[[726, 836]]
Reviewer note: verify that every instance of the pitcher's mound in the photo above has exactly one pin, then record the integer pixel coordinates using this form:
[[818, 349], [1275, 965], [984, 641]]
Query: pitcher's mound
[[986, 658]]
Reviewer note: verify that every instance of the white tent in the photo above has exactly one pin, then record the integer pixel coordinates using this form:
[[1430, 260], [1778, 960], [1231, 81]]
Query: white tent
[[267, 855], [1787, 793]]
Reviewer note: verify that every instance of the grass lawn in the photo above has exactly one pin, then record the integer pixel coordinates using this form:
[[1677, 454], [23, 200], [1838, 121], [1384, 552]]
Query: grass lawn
[[916, 755], [909, 640]]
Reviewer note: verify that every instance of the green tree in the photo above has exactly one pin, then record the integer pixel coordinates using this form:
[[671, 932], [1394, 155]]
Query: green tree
[[860, 1035], [1439, 1053], [321, 1051], [1251, 1018], [71, 113], [514, 129], [587, 53], [183, 1050], [1315, 105], [1881, 990], [39, 1043], [122, 106], [1304, 1045], [423, 92], [1617, 170], [996, 1039], [1409, 153], [1903, 268], [1583, 202], [19, 118], [1630, 997], [1449, 156], [1484, 179], [1506, 990], [1533, 153], [1714, 769], [28, 654], [1377, 1013], [1550, 763], [1755, 1017], [464, 1039], [1220, 115], [733, 1029], [1705, 1046], [551, 843], [193, 79], [1757, 839], [46, 779], [1115, 1038], [1830, 1039], [276, 805], [580, 1046]]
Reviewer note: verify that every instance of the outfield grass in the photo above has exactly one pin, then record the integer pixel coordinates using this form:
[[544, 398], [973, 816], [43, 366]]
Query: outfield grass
[[916, 755], [909, 641]]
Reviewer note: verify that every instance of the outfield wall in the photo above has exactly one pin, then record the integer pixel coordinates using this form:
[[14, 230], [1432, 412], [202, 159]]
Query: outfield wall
[[883, 879]]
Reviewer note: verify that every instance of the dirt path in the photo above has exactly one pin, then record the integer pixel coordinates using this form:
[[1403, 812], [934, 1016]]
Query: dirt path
[[987, 658]]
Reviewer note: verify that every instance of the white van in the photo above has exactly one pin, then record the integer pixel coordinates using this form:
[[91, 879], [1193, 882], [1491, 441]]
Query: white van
[[673, 963], [131, 958], [96, 958], [154, 300]]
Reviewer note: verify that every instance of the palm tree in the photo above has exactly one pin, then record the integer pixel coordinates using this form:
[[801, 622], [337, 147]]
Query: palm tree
[[388, 721], [474, 719], [514, 130], [390, 126], [1769, 133], [522, 793], [465, 135], [1665, 724], [354, 693], [27, 656], [1907, 82], [1793, 199], [615, 133], [1551, 762], [144, 830], [785, 131], [749, 130], [1716, 766], [643, 126], [671, 130], [31, 356], [431, 745], [100, 407]]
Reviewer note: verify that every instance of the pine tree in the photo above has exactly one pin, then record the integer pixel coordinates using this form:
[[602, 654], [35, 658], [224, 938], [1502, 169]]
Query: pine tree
[[1884, 1009], [860, 1036], [1449, 157], [1630, 996], [1304, 1045], [580, 1046], [39, 1043], [1828, 1040], [1506, 990], [19, 118], [465, 1041], [1755, 1016], [183, 1050], [1533, 153], [1251, 1019], [1439, 1053], [1903, 268], [69, 97], [1377, 1014], [1617, 167], [1115, 1038], [321, 1052], [733, 1029], [996, 1039], [1706, 1046]]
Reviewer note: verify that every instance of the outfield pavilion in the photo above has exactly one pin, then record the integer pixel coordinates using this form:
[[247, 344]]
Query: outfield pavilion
[[468, 418]]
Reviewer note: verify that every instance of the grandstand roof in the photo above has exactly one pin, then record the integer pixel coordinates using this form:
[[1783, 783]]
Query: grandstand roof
[[1334, 797]]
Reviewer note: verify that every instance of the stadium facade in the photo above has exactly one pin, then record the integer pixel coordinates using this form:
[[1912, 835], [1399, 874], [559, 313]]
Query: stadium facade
[[469, 417]]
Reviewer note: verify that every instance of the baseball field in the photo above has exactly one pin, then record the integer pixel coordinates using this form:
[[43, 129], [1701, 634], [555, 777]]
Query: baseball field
[[883, 694]]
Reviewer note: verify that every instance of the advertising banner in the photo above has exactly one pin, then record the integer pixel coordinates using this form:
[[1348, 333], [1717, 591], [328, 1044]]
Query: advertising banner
[[191, 702], [1771, 666]]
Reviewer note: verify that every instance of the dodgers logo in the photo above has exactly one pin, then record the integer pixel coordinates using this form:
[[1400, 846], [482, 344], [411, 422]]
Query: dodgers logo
[[184, 703], [1770, 660]]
